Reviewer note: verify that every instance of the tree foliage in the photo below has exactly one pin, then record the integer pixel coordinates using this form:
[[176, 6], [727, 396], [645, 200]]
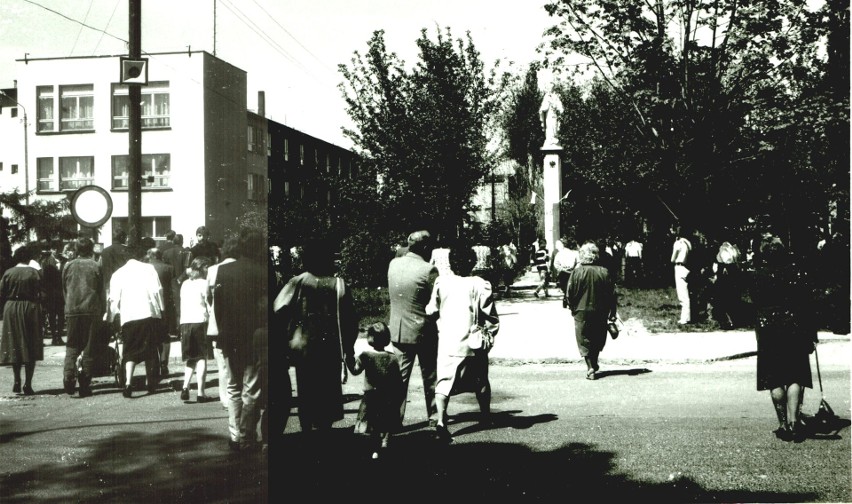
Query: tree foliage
[[718, 107], [421, 131]]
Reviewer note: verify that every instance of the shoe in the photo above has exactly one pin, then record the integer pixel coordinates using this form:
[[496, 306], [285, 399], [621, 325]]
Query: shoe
[[535, 294], [152, 390], [85, 392], [201, 399], [375, 455], [443, 435], [591, 375], [16, 388], [127, 392], [164, 371], [184, 395], [57, 342], [797, 432], [28, 390], [783, 433], [433, 423], [69, 387], [234, 446]]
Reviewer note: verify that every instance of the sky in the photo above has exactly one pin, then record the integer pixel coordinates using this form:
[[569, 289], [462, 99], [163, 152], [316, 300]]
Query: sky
[[290, 49]]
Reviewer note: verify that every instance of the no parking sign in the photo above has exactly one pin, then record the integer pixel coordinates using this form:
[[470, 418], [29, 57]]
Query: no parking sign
[[91, 206]]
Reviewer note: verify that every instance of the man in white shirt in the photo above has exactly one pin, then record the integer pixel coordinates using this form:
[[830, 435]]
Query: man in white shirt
[[633, 263], [680, 254], [136, 297]]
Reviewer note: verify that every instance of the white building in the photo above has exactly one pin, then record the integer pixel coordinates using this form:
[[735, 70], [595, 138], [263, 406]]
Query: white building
[[194, 139]]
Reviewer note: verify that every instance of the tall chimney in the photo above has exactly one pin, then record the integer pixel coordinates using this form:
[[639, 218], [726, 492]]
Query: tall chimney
[[261, 104]]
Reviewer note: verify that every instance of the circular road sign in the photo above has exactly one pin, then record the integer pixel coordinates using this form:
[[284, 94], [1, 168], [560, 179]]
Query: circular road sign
[[91, 206]]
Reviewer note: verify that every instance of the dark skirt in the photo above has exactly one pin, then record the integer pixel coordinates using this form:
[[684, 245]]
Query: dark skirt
[[590, 331], [379, 412], [193, 341], [139, 336], [318, 387], [21, 341]]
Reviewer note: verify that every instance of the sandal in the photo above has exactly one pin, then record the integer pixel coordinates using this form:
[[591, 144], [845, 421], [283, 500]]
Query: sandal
[[590, 375]]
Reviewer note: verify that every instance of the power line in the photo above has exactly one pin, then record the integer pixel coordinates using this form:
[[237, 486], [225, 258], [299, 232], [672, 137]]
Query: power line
[[290, 34], [115, 8], [75, 21], [81, 28]]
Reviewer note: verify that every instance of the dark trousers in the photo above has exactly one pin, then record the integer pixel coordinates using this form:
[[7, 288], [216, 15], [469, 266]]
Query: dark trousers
[[82, 334], [426, 353], [54, 311], [141, 342]]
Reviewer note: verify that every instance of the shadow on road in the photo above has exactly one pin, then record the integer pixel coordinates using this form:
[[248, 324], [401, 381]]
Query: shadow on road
[[617, 372], [133, 466], [416, 465]]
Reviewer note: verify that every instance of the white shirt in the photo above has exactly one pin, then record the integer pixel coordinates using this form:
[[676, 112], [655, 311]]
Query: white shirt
[[193, 301], [135, 292], [633, 249]]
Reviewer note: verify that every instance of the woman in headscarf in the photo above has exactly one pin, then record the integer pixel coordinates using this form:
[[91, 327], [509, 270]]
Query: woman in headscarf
[[786, 334], [591, 297]]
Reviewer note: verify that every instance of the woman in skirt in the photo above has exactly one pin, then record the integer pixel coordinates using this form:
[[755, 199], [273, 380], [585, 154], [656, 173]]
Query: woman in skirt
[[21, 344], [193, 328]]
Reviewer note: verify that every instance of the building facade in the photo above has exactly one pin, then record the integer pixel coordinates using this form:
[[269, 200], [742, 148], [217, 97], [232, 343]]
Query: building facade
[[194, 128]]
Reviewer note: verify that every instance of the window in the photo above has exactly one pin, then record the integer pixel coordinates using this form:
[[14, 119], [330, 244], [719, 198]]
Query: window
[[256, 187], [302, 154], [155, 106], [155, 227], [76, 172], [250, 138], [328, 163], [46, 177], [76, 108], [286, 149], [254, 136], [1, 166], [77, 104], [14, 111], [269, 144], [14, 169], [44, 96], [286, 188], [156, 169]]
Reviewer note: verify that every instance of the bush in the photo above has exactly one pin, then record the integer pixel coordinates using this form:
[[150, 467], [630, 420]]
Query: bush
[[371, 305]]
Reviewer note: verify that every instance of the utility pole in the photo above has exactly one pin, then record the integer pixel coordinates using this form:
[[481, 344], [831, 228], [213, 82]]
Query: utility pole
[[134, 170]]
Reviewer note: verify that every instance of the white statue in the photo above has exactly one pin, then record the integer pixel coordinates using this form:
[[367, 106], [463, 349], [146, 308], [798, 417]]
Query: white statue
[[551, 108]]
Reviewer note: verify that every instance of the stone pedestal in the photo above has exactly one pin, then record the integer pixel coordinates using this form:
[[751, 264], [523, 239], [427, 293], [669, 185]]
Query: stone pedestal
[[552, 182]]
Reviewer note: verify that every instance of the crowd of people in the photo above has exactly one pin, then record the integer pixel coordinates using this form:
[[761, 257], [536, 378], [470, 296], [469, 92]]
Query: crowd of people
[[142, 298]]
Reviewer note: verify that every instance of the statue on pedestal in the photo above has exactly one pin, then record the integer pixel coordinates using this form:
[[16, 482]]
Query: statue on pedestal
[[551, 108]]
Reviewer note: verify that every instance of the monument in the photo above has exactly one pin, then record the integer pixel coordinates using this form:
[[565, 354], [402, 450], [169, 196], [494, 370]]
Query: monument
[[549, 112]]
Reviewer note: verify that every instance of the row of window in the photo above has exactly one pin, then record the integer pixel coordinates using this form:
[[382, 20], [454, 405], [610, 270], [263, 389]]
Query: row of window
[[254, 137], [13, 168], [155, 227], [77, 171], [75, 105], [341, 170]]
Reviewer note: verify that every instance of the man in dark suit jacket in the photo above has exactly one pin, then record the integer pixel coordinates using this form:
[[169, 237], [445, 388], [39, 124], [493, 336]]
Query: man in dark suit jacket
[[114, 256], [241, 307], [413, 333], [154, 257]]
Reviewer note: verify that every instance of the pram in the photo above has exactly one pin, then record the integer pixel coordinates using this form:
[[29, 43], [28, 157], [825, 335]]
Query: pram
[[106, 355]]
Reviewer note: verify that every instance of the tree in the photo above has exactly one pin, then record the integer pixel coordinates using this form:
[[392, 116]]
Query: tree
[[421, 131], [703, 89]]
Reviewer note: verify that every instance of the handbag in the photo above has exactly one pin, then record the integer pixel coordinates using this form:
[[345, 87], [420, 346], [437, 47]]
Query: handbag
[[825, 421], [479, 337], [614, 327]]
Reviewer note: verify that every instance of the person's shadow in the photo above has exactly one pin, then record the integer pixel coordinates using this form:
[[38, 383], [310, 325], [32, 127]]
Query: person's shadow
[[617, 372], [498, 420]]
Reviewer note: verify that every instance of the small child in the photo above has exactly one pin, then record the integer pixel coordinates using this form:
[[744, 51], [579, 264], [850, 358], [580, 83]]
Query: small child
[[193, 327], [379, 412]]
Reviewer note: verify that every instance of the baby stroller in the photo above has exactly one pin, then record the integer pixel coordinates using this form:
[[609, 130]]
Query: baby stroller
[[106, 355]]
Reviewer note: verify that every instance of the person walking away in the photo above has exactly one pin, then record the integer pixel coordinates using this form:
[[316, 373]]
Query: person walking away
[[154, 257], [633, 271], [177, 257], [229, 252], [591, 298], [541, 262], [320, 322], [53, 301], [193, 328], [461, 301], [136, 302], [379, 411], [82, 287], [786, 334], [564, 261], [508, 260], [680, 255], [20, 304], [241, 302], [114, 256], [414, 334], [726, 289]]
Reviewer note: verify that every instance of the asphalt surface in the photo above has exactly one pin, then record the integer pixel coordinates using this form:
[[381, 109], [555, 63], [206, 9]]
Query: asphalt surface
[[674, 418]]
